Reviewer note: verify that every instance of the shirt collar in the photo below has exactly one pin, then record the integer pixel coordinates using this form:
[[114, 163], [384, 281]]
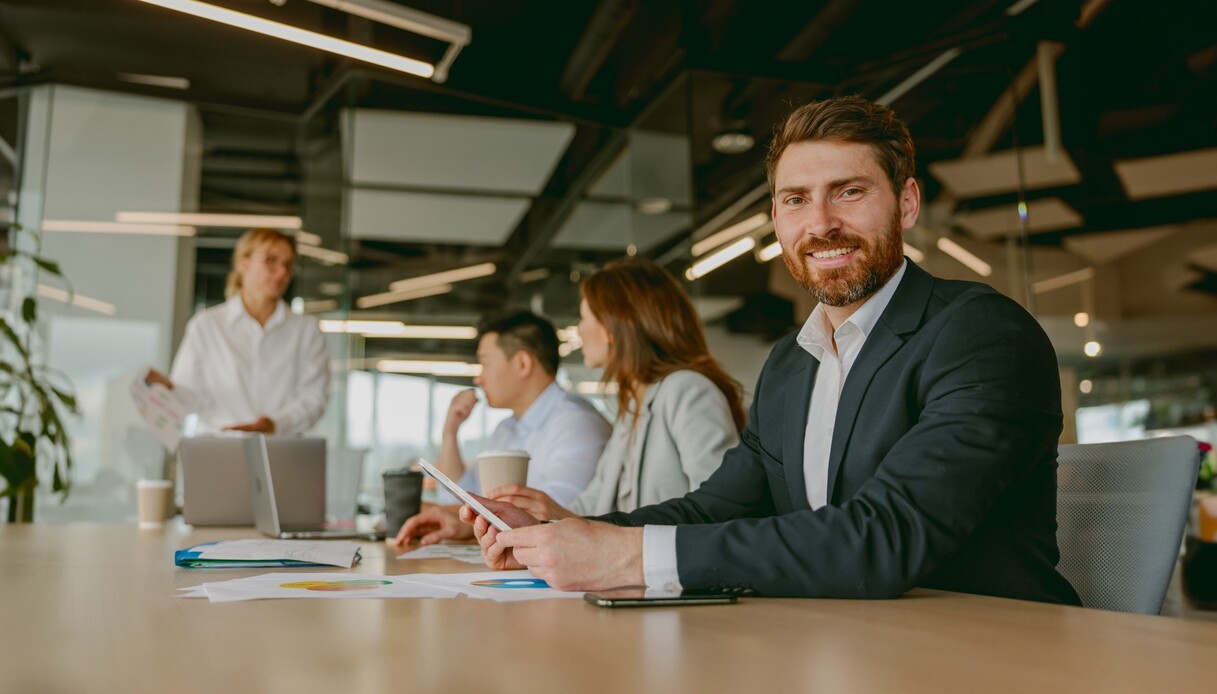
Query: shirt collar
[[541, 408], [234, 308], [816, 335]]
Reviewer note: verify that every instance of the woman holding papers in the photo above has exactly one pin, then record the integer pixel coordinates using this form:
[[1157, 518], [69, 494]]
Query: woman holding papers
[[677, 410], [250, 364]]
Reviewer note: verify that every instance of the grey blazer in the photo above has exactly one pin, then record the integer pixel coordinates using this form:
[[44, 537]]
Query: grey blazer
[[684, 429]]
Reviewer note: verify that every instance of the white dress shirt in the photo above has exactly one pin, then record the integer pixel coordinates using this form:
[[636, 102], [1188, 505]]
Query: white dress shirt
[[231, 370], [836, 353], [563, 434]]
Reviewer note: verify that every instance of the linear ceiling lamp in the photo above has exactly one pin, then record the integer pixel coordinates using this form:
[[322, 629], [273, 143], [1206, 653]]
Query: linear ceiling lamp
[[205, 219], [374, 300], [323, 255], [446, 277], [456, 34], [82, 226], [434, 368], [731, 233], [965, 257], [383, 328], [1065, 280], [719, 258], [85, 302], [295, 35]]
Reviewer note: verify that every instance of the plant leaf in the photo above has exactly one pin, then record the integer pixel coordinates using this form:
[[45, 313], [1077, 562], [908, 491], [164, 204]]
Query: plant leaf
[[29, 309], [49, 265]]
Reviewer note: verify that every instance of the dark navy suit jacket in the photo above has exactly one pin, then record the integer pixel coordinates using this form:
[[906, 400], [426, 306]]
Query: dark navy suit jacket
[[942, 471]]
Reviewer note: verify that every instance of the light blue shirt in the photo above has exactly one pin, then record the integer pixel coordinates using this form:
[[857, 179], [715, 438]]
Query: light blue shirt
[[563, 434], [817, 338]]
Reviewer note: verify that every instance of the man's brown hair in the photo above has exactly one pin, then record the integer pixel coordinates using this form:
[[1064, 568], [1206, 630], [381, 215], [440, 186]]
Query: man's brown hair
[[848, 119]]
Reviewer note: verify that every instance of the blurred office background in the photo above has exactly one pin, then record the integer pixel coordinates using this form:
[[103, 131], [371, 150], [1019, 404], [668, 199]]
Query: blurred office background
[[1067, 150]]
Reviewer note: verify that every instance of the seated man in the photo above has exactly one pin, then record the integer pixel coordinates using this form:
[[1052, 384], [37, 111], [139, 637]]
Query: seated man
[[562, 432], [906, 436]]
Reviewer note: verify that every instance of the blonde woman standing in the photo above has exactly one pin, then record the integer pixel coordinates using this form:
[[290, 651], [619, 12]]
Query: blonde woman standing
[[250, 364]]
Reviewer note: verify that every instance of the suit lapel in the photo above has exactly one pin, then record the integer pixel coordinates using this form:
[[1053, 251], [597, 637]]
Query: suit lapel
[[798, 403], [901, 317]]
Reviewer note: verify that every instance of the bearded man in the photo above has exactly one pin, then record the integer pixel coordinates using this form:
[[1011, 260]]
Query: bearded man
[[905, 436]]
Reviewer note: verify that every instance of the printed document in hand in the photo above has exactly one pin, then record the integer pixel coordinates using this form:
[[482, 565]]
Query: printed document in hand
[[329, 586], [161, 409], [244, 554]]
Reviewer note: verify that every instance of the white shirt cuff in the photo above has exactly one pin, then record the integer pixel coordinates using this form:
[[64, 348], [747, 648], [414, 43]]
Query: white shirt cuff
[[659, 558]]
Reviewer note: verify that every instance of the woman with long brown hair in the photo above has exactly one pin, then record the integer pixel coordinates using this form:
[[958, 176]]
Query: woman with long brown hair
[[677, 410]]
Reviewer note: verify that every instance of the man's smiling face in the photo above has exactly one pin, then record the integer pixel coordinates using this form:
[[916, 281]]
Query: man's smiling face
[[838, 220]]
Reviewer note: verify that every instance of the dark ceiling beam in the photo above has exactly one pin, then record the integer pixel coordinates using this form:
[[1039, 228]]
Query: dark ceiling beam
[[799, 49], [544, 221], [603, 30]]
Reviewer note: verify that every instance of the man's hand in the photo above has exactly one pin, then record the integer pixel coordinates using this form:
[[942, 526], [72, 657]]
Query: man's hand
[[535, 502], [432, 524], [154, 376], [459, 409], [577, 554], [263, 425], [497, 557]]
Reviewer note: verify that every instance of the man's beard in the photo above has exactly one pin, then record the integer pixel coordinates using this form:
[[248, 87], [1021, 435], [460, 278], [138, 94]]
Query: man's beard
[[878, 260]]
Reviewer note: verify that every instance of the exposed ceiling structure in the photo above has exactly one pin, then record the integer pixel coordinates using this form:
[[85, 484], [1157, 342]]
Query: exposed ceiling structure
[[567, 134]]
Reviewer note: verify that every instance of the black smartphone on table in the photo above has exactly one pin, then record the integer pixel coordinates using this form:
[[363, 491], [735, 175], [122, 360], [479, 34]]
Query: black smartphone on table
[[640, 597]]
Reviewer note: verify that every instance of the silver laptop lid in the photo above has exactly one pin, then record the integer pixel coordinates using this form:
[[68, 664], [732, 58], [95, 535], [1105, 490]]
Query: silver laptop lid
[[215, 482], [261, 487]]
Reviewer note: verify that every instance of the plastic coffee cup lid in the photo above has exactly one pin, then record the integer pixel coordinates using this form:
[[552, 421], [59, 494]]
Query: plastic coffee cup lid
[[504, 454], [154, 484]]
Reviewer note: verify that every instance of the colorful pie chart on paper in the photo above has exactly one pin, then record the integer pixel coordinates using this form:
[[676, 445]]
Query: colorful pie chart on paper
[[511, 583], [336, 586]]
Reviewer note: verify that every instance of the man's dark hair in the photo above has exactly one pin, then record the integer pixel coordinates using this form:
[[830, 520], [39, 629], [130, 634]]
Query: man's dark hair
[[526, 331]]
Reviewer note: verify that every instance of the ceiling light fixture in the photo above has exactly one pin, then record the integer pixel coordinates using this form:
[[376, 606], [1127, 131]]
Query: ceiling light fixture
[[1081, 319], [81, 301], [206, 219], [734, 231], [434, 368], [456, 34], [769, 252], [383, 328], [307, 238], [302, 37], [374, 300], [446, 277], [80, 226], [654, 206], [155, 80], [324, 255], [914, 255], [1093, 348], [732, 142], [965, 257], [1063, 280], [719, 258]]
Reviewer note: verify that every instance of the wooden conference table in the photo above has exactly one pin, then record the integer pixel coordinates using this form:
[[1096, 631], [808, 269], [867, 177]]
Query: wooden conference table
[[91, 608]]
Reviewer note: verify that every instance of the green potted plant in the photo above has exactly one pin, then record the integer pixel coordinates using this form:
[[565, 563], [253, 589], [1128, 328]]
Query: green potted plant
[[34, 399]]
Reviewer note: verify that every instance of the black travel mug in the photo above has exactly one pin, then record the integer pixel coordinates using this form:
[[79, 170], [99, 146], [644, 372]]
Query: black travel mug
[[403, 498]]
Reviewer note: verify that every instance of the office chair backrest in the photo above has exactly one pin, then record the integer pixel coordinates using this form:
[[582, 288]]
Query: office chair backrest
[[343, 473], [1121, 509]]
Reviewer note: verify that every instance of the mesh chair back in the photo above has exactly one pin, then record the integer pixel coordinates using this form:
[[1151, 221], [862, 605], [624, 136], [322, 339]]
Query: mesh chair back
[[1121, 510], [343, 472]]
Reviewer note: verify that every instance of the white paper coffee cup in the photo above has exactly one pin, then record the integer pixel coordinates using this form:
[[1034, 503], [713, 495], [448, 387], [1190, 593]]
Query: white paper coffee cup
[[154, 498], [498, 468]]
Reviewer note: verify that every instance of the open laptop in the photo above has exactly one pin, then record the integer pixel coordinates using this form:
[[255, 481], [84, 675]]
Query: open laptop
[[288, 504], [215, 479]]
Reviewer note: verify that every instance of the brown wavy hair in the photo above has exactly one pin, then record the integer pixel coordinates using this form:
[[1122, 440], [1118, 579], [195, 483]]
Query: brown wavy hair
[[655, 331]]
